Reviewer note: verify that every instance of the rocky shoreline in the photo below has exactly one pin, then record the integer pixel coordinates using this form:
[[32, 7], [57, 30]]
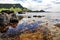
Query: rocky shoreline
[[49, 32]]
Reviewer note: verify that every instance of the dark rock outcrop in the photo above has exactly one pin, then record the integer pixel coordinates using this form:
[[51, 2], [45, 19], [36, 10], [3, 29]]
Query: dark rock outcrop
[[42, 11]]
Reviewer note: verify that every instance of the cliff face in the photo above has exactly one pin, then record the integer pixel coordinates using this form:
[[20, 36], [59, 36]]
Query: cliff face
[[10, 5]]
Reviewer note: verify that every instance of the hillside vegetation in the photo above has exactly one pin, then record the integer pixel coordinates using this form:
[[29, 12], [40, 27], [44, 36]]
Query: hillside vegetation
[[13, 7]]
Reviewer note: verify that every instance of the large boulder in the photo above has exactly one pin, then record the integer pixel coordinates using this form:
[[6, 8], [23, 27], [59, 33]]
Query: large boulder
[[9, 14]]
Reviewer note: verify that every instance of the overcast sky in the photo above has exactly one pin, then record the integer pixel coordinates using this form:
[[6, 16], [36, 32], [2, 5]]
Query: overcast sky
[[49, 5]]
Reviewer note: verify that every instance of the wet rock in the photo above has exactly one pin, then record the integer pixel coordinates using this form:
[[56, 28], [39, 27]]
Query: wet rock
[[20, 17], [34, 16], [58, 25]]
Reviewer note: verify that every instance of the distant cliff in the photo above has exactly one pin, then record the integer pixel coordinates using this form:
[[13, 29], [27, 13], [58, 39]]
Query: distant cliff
[[41, 11], [38, 11], [10, 5], [15, 7]]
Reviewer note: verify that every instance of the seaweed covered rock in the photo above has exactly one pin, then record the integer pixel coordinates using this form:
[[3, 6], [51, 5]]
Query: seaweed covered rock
[[32, 36], [45, 31], [40, 33], [36, 29]]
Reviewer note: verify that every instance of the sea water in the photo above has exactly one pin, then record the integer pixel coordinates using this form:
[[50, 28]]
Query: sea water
[[52, 18]]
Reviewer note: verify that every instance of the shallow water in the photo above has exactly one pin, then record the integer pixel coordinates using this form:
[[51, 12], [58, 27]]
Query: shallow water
[[52, 18]]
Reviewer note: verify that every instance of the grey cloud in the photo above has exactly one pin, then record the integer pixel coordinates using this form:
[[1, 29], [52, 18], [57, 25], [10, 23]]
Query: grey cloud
[[39, 1], [55, 2]]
